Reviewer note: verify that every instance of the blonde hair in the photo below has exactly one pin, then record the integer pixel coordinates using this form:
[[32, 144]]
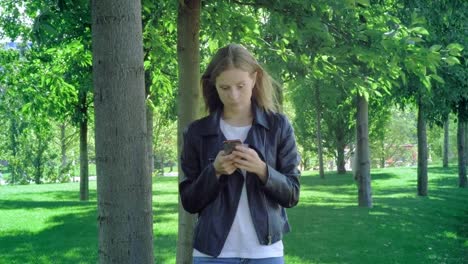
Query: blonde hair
[[238, 57]]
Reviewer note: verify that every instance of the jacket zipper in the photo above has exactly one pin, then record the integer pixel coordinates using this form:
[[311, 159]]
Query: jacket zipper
[[264, 195]]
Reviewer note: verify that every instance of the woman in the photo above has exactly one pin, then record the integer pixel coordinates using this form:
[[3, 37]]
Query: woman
[[239, 197]]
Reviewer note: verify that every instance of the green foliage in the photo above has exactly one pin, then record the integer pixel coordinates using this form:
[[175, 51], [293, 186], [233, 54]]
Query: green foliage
[[408, 49], [445, 21], [160, 46], [164, 145], [39, 87]]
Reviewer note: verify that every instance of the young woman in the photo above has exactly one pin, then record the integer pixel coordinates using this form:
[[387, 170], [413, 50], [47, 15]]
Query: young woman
[[239, 197]]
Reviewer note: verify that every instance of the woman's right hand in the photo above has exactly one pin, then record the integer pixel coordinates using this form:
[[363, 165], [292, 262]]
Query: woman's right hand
[[224, 164]]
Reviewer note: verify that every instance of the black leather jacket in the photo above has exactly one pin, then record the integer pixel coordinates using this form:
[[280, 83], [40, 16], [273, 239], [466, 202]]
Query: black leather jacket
[[216, 201]]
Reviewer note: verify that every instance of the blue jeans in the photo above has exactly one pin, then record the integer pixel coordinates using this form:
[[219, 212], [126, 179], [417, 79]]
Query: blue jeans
[[204, 260]]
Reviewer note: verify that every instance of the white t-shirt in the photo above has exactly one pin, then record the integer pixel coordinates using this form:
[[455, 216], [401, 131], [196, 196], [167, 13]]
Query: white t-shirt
[[242, 241]]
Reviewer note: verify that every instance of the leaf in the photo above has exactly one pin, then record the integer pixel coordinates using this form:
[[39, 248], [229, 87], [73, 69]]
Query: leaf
[[426, 81], [452, 60], [454, 49], [366, 95], [363, 2], [437, 78], [435, 48], [404, 79], [455, 46], [413, 40], [419, 30]]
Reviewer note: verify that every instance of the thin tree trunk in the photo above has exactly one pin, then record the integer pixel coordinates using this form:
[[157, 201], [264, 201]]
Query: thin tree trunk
[[84, 168], [125, 218], [149, 121], [63, 149], [188, 46], [319, 132], [382, 153], [39, 160], [340, 161], [363, 175], [446, 142], [14, 166], [461, 147], [466, 141], [340, 148], [422, 151]]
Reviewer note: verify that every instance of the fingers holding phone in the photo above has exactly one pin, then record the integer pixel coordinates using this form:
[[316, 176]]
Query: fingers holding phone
[[224, 164], [247, 159]]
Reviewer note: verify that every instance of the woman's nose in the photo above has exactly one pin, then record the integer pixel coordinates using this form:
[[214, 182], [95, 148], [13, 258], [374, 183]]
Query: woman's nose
[[233, 93]]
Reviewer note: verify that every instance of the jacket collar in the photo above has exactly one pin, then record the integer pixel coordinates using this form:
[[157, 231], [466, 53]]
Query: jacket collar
[[212, 121]]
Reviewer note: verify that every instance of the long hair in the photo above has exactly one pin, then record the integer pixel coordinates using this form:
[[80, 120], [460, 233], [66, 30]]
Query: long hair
[[235, 56]]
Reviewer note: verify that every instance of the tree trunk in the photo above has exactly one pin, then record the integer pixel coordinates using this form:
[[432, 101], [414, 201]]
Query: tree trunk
[[39, 159], [340, 161], [446, 142], [188, 46], [422, 151], [363, 175], [14, 166], [125, 219], [63, 149], [149, 121], [319, 132], [466, 141], [340, 148], [382, 153], [84, 165], [461, 147]]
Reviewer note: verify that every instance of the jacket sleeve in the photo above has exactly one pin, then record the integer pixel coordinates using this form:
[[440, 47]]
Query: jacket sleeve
[[198, 186], [282, 184]]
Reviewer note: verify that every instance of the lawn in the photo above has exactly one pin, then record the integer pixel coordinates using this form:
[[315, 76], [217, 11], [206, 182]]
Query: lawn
[[47, 224]]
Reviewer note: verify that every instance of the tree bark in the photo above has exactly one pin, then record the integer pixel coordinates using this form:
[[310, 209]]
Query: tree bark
[[446, 142], [14, 166], [149, 121], [319, 132], [124, 188], [63, 150], [188, 46], [39, 158], [363, 175], [84, 165], [466, 141], [340, 148], [382, 153], [461, 147], [422, 151]]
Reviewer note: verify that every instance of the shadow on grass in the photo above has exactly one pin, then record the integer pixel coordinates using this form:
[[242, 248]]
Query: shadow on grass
[[73, 237], [18, 204], [400, 228], [69, 238]]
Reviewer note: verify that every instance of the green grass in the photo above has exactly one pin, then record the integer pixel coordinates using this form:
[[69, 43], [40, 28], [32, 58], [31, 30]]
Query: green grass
[[91, 170], [47, 224]]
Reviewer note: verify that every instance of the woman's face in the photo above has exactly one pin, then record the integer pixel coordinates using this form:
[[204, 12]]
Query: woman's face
[[235, 87]]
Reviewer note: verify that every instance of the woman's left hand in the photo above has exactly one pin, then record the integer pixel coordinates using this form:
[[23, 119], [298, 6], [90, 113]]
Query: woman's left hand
[[249, 160]]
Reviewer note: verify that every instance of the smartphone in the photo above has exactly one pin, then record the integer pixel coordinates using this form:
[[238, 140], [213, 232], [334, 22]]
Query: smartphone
[[230, 144]]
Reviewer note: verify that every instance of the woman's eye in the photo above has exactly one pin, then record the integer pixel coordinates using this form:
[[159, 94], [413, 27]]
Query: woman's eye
[[240, 86]]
